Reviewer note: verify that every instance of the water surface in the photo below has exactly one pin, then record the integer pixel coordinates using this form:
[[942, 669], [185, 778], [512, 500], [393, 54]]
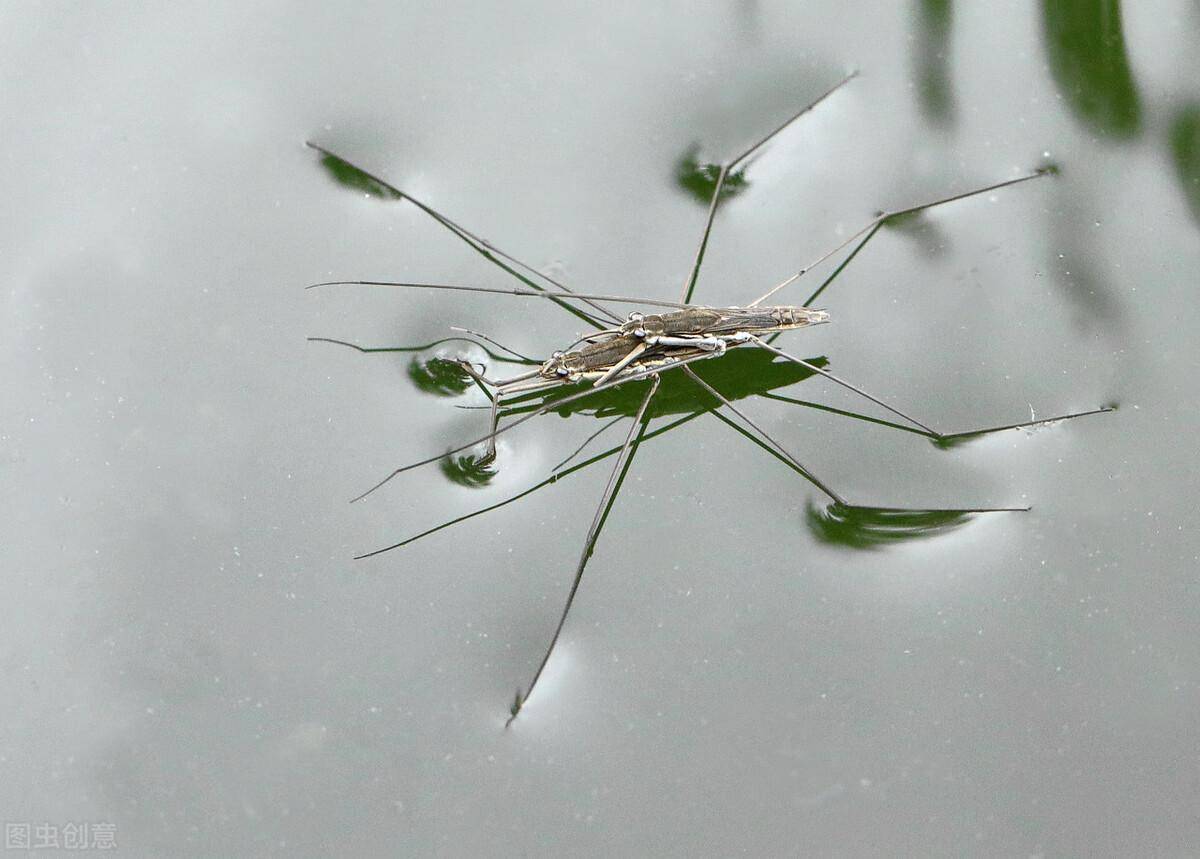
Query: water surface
[[192, 655]]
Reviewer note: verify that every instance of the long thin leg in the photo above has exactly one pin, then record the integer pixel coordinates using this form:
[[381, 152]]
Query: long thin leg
[[496, 390], [557, 404], [497, 383], [814, 368], [803, 469], [495, 413], [618, 473], [689, 285], [369, 349], [553, 478], [808, 302], [842, 507], [780, 452], [481, 246], [507, 409], [1037, 422], [533, 386], [937, 436], [879, 219], [624, 362], [496, 343], [821, 407], [591, 337], [527, 293]]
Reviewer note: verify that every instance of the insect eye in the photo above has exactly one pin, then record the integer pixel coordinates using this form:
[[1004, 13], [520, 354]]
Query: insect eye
[[636, 317]]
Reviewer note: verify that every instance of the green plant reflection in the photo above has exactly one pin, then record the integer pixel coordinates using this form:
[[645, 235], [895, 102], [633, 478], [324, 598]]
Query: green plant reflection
[[439, 376], [934, 89], [877, 527], [700, 180], [345, 173], [1185, 147], [468, 470], [1086, 48]]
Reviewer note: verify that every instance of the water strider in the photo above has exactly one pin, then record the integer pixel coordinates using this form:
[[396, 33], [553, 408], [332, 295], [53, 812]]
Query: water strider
[[651, 346]]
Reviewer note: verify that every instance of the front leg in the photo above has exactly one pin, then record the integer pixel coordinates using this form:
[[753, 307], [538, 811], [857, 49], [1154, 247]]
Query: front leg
[[704, 344]]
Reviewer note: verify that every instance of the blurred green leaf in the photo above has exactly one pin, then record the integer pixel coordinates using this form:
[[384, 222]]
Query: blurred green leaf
[[1185, 147], [934, 89], [1086, 47]]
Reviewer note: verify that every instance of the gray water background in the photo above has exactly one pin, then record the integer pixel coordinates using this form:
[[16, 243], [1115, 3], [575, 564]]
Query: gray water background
[[188, 651]]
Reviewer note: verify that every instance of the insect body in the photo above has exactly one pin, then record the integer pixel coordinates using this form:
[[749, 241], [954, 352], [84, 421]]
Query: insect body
[[652, 346], [643, 339]]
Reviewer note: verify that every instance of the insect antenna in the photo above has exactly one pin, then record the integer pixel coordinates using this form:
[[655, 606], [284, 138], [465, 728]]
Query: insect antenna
[[689, 285], [615, 479]]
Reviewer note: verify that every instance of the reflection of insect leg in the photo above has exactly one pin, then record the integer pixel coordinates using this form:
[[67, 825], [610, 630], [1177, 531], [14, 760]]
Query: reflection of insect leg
[[689, 285], [618, 474], [937, 436]]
